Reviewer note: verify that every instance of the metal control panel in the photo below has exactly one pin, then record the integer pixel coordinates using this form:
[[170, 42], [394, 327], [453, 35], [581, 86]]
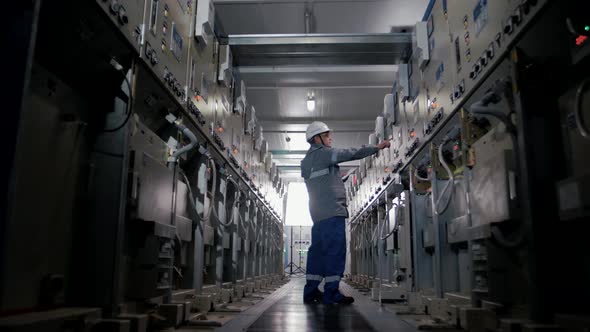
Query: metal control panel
[[166, 48], [224, 75], [437, 74], [413, 111], [204, 21], [481, 32], [127, 16], [200, 83]]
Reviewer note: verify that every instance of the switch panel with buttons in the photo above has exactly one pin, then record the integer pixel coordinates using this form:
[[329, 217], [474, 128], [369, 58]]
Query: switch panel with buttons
[[127, 16], [167, 43], [490, 27]]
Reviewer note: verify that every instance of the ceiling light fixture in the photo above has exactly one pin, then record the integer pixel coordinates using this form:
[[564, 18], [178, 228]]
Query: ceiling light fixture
[[310, 102]]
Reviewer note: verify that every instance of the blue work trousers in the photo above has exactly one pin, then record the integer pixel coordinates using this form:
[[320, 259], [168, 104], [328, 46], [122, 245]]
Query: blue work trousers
[[326, 258]]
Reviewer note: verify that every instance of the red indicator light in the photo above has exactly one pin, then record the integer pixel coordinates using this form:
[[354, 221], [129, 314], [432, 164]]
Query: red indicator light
[[581, 40]]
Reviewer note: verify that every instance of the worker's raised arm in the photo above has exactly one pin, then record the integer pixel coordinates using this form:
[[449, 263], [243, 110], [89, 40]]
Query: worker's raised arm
[[342, 155]]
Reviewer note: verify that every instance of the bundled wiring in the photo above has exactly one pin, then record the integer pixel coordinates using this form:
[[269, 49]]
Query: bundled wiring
[[233, 207], [450, 184], [213, 189]]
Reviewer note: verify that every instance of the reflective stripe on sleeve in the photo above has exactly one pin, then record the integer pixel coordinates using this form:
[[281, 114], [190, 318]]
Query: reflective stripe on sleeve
[[319, 173]]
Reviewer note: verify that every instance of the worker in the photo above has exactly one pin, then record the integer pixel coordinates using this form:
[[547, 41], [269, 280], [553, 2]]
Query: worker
[[328, 208]]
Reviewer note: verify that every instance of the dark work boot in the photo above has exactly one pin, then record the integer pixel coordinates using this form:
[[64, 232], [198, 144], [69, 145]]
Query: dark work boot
[[316, 297]]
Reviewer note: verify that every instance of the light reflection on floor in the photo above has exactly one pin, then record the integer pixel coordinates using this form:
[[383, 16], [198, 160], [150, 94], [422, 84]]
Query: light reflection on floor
[[290, 314]]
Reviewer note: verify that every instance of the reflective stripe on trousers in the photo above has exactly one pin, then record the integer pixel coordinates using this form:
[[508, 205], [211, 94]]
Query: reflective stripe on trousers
[[314, 277]]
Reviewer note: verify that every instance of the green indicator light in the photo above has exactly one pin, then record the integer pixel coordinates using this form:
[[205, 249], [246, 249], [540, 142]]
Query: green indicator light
[[587, 28]]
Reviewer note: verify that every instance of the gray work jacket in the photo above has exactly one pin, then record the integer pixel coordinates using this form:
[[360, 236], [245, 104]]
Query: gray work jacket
[[319, 168]]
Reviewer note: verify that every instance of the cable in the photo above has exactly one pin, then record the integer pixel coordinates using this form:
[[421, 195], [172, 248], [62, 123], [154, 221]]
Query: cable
[[419, 177], [449, 184], [481, 107], [119, 68], [186, 132], [394, 229], [498, 236], [191, 196], [578, 109], [129, 112], [231, 219], [374, 235], [211, 162]]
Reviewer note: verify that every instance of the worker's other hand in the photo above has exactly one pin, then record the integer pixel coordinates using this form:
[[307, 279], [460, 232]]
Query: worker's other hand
[[383, 145]]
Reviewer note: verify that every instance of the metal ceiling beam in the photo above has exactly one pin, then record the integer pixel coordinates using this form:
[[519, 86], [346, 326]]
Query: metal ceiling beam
[[316, 69], [320, 49], [258, 2], [302, 123], [323, 87], [296, 168], [303, 131]]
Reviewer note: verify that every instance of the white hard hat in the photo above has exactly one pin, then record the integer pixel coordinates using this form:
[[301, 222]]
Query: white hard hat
[[315, 128]]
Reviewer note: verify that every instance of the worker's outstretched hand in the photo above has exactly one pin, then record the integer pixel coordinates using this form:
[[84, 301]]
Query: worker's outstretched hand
[[383, 145]]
